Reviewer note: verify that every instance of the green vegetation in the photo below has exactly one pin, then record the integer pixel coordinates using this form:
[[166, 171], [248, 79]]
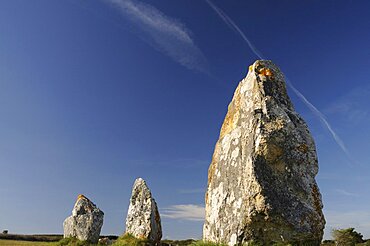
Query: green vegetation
[[62, 242], [342, 237], [129, 240], [202, 243], [7, 242], [71, 241], [177, 242], [40, 238], [366, 243], [347, 237], [255, 243], [328, 243]]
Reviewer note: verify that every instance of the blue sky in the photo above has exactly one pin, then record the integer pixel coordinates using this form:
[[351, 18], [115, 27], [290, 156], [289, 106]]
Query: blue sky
[[94, 94]]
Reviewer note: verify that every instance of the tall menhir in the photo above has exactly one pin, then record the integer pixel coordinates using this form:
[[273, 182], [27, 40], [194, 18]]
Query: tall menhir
[[261, 181]]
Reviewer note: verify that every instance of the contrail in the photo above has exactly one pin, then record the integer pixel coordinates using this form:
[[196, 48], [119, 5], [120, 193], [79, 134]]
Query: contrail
[[321, 117], [231, 24]]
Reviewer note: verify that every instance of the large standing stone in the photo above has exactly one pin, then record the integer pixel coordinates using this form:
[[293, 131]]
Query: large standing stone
[[261, 181], [86, 221], [143, 220]]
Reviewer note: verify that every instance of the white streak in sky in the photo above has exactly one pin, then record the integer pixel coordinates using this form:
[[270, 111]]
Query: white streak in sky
[[184, 212], [231, 24], [347, 193], [164, 33], [321, 117]]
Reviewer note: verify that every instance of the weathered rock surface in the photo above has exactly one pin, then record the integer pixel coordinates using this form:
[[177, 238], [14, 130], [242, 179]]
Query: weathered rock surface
[[143, 220], [85, 222], [261, 181]]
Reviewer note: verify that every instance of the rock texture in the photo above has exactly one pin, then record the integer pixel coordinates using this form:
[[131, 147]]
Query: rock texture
[[86, 221], [143, 220], [261, 181]]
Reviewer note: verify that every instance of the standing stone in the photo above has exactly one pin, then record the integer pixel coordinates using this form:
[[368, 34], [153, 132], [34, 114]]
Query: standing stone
[[86, 221], [261, 181], [143, 220]]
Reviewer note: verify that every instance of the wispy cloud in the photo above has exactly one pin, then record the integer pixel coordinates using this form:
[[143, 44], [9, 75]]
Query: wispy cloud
[[164, 33], [347, 193], [353, 106], [322, 119], [342, 219], [232, 25], [184, 212]]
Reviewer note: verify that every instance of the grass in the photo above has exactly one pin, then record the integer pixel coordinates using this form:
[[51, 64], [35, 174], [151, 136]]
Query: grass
[[62, 242], [44, 240], [178, 242], [70, 241], [41, 238], [129, 240], [202, 243], [6, 242], [252, 243]]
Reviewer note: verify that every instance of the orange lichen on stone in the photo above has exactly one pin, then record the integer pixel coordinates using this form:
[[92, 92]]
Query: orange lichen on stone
[[316, 198], [265, 72], [80, 196], [250, 68], [233, 114], [317, 205], [212, 167]]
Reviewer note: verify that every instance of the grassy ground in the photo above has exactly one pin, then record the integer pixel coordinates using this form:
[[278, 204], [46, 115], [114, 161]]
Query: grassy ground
[[130, 241], [39, 238], [5, 242]]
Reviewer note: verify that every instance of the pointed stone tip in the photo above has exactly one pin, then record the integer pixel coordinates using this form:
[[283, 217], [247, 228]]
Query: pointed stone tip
[[139, 186], [259, 64], [81, 199], [266, 68], [81, 196], [139, 181], [262, 61]]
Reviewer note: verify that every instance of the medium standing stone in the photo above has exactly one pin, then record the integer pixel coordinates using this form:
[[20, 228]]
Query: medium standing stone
[[86, 221], [261, 181], [143, 220]]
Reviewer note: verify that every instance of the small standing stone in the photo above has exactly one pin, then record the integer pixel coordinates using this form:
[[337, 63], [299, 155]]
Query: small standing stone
[[85, 222], [143, 220]]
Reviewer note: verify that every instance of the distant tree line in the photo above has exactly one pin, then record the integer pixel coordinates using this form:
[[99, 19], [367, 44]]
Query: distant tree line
[[346, 237]]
